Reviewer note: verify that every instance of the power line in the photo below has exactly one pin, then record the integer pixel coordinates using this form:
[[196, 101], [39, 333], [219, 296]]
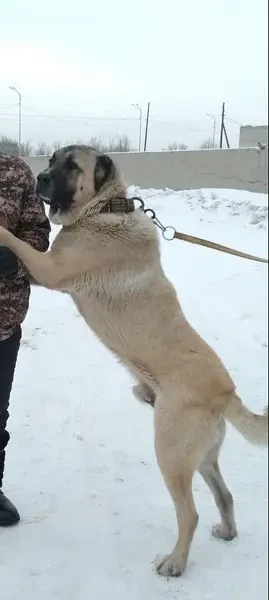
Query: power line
[[85, 119], [68, 119], [234, 120], [8, 105], [50, 115]]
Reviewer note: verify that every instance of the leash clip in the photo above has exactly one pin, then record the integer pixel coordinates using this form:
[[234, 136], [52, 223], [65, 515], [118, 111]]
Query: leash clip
[[168, 232]]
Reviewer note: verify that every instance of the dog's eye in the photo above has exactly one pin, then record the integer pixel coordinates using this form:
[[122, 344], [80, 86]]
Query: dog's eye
[[71, 163]]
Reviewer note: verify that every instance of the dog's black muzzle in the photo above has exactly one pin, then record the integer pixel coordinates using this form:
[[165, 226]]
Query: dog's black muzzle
[[43, 188]]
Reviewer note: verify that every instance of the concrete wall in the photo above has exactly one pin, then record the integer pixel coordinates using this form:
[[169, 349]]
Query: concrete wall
[[244, 169], [251, 136]]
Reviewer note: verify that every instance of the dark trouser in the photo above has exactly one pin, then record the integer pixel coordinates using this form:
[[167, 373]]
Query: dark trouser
[[8, 357]]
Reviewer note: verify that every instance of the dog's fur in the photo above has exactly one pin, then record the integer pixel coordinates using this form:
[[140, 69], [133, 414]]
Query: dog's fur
[[110, 265]]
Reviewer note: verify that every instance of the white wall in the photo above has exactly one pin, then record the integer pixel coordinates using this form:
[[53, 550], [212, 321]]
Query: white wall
[[250, 136], [241, 169]]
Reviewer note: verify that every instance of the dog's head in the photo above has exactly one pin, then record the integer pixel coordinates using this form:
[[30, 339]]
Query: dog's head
[[76, 176]]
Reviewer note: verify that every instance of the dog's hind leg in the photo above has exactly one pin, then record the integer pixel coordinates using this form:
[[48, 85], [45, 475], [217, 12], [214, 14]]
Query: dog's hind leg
[[179, 484], [210, 471], [181, 442]]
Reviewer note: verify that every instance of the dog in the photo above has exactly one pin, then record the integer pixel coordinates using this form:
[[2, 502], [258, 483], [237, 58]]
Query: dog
[[107, 257]]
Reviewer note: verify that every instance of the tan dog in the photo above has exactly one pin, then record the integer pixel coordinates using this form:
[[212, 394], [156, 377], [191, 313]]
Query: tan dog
[[107, 258]]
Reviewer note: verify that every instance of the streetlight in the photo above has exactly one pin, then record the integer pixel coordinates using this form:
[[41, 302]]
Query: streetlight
[[13, 89], [140, 124], [214, 127]]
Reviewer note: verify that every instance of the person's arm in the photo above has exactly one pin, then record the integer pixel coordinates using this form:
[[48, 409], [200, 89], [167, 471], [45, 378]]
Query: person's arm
[[33, 228]]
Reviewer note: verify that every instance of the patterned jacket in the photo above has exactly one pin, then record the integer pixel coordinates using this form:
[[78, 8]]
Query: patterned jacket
[[22, 213]]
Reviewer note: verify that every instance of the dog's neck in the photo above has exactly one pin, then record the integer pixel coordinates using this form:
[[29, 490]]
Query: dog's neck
[[118, 204], [115, 200], [110, 200]]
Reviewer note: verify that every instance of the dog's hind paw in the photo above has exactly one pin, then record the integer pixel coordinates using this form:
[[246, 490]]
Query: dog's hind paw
[[223, 532]]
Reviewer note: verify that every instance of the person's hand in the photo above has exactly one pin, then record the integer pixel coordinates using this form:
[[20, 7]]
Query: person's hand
[[8, 263]]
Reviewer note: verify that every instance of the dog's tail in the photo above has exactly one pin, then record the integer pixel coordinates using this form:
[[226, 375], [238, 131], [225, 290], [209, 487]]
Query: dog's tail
[[253, 427]]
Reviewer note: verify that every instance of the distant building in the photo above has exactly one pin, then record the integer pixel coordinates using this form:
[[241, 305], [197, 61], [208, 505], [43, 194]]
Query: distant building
[[251, 136]]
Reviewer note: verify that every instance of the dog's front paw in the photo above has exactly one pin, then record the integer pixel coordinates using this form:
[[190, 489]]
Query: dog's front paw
[[170, 566], [223, 532]]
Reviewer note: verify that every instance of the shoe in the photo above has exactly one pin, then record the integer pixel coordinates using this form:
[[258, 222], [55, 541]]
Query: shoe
[[8, 512]]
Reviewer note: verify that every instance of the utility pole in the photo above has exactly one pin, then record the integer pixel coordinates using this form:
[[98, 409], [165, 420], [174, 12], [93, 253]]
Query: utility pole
[[222, 125], [214, 128], [147, 125], [226, 136], [13, 89], [223, 128], [140, 124]]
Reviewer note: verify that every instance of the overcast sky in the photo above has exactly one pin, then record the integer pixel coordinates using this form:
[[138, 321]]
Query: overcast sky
[[80, 65]]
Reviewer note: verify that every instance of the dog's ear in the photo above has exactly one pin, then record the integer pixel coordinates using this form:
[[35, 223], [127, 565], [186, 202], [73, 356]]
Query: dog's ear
[[104, 171]]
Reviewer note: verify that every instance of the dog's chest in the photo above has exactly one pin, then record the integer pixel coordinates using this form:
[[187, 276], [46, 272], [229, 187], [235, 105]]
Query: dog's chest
[[106, 300], [99, 315], [111, 287]]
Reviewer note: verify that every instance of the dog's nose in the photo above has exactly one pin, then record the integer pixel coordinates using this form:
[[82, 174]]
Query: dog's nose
[[43, 178]]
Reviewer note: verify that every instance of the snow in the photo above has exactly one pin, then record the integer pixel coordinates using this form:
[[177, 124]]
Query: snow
[[81, 466]]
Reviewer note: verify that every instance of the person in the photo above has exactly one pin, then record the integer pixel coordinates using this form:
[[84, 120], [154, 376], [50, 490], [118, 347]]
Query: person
[[22, 212]]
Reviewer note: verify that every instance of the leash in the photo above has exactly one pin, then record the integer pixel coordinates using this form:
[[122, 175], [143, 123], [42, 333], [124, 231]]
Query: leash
[[169, 233]]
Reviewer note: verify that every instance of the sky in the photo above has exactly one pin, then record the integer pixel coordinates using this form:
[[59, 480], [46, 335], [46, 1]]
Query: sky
[[81, 65]]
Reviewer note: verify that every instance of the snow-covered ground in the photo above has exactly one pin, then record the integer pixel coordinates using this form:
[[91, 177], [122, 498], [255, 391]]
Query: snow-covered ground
[[81, 464]]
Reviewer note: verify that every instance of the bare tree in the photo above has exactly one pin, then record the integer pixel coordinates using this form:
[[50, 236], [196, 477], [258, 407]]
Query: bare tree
[[26, 149], [56, 146], [43, 149], [175, 146], [9, 146], [96, 143], [208, 143], [118, 144]]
